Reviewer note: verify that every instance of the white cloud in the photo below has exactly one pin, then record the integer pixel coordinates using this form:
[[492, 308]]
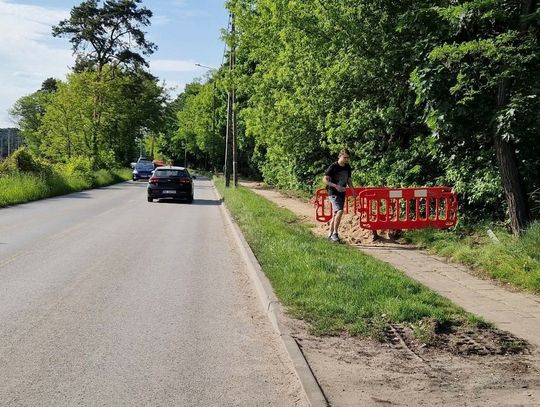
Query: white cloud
[[28, 52], [160, 20], [179, 3], [182, 8], [174, 87], [173, 65]]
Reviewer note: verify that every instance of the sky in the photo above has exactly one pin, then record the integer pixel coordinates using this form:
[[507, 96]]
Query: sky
[[186, 32]]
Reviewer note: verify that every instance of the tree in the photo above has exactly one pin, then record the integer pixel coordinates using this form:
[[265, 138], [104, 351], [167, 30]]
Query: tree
[[108, 35], [480, 87], [67, 125], [28, 111], [318, 76]]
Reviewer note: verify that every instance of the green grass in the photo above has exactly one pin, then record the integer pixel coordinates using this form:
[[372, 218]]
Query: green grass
[[334, 287], [20, 188], [513, 261]]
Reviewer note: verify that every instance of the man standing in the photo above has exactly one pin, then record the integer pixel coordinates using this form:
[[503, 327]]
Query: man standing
[[336, 178]]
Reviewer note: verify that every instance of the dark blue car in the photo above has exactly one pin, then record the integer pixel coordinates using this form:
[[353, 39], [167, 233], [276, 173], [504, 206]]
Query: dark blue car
[[143, 170]]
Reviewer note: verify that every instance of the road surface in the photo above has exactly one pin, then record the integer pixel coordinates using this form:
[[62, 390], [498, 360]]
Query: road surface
[[108, 300]]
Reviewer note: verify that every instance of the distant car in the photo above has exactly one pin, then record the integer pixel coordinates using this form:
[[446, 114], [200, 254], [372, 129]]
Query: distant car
[[142, 170], [170, 182]]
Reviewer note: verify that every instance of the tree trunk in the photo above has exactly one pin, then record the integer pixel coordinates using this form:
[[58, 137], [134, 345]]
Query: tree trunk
[[514, 190], [516, 197]]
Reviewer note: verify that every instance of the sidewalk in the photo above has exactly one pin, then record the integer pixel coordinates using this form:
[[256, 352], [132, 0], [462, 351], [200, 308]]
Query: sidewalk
[[517, 313]]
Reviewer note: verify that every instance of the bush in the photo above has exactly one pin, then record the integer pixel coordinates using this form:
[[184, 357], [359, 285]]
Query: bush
[[23, 161], [80, 166]]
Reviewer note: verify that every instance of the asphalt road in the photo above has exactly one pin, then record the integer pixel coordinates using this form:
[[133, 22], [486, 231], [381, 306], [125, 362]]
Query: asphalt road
[[108, 300]]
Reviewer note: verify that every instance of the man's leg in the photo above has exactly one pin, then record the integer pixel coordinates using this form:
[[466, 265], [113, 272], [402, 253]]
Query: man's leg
[[334, 210], [337, 206], [336, 221], [332, 225]]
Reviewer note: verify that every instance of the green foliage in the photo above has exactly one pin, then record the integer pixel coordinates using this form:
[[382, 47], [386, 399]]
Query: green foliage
[[22, 187], [108, 34], [90, 115], [315, 77], [200, 127], [315, 83], [480, 82], [78, 166], [23, 161], [66, 125], [28, 112]]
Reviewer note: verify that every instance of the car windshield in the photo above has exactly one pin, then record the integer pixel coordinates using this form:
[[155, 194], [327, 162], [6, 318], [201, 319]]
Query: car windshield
[[145, 166], [171, 173]]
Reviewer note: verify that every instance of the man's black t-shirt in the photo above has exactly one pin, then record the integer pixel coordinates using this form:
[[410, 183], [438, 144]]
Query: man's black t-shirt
[[338, 175]]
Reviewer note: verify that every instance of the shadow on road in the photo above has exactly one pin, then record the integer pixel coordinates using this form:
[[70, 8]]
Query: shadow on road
[[210, 202], [201, 202]]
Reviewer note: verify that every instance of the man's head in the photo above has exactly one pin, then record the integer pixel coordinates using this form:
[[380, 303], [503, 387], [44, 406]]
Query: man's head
[[343, 156]]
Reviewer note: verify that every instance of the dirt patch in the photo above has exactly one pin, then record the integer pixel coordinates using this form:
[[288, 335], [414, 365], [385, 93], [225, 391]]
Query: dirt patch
[[457, 366], [351, 232], [361, 372]]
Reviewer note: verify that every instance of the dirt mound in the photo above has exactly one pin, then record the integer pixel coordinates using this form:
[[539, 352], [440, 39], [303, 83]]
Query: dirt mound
[[351, 232]]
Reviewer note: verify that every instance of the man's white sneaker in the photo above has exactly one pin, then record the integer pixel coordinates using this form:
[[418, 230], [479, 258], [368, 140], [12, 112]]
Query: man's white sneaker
[[334, 237]]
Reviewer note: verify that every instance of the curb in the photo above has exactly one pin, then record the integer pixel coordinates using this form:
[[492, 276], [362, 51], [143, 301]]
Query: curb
[[274, 311]]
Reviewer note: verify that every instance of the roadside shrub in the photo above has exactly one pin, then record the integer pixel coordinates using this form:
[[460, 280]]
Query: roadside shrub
[[80, 166], [23, 161]]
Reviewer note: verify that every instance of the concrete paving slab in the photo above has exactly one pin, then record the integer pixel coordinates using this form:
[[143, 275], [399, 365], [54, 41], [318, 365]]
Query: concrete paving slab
[[514, 312]]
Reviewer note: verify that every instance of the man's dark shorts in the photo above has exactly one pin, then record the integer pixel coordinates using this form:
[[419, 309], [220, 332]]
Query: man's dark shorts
[[337, 202]]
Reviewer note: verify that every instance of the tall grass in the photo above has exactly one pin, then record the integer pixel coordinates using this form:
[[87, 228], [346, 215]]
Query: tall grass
[[513, 261], [19, 187], [334, 287]]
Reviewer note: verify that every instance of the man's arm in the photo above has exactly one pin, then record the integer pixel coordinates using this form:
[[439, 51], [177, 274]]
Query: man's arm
[[328, 181]]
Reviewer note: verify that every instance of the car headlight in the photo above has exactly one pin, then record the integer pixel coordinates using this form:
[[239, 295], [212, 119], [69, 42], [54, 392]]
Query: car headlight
[[135, 172]]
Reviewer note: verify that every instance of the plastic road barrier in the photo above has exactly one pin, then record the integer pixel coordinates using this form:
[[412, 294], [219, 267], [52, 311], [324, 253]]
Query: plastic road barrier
[[323, 207], [395, 208]]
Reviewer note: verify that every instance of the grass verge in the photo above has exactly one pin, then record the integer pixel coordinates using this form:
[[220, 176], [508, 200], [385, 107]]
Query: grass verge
[[19, 187], [334, 287], [513, 261]]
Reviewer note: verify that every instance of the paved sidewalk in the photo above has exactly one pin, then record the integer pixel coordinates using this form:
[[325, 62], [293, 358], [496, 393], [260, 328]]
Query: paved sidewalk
[[517, 313]]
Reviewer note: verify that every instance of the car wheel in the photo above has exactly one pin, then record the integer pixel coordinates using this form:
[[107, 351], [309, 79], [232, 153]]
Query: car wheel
[[149, 199]]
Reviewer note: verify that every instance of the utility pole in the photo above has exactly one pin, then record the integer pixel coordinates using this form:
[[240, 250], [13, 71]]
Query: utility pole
[[8, 143], [230, 137], [226, 168], [233, 113], [213, 118]]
